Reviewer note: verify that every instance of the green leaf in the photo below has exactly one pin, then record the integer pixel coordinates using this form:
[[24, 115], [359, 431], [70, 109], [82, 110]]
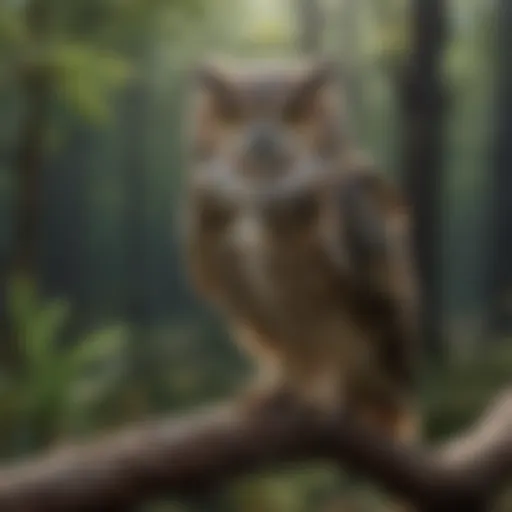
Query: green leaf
[[12, 27], [86, 76], [44, 331], [21, 303], [89, 391], [98, 347]]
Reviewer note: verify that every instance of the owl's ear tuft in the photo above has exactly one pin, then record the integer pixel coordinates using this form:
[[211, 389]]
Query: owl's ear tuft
[[321, 74], [211, 78], [208, 76]]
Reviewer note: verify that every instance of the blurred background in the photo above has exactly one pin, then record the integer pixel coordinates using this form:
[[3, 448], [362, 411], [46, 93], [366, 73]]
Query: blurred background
[[98, 325]]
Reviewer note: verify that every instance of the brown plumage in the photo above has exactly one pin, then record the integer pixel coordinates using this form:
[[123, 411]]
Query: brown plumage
[[300, 244]]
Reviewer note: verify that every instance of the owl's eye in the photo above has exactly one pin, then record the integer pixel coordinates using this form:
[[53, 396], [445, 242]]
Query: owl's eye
[[228, 113], [298, 114], [294, 213]]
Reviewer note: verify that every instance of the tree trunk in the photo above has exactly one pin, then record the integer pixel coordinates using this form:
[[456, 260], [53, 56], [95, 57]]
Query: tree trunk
[[501, 245], [137, 305], [28, 164], [351, 55], [311, 26], [423, 109]]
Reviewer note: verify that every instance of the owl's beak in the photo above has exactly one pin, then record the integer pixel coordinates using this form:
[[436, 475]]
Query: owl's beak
[[265, 150]]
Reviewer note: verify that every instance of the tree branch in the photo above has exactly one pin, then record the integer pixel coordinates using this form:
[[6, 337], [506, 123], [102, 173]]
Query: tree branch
[[200, 451]]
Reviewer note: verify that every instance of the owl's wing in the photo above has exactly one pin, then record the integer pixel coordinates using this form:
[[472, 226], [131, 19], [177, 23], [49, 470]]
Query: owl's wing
[[377, 239]]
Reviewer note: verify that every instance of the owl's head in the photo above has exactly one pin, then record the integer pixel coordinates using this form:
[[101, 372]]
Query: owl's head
[[265, 123]]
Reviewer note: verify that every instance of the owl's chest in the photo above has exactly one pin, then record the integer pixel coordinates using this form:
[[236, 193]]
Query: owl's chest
[[270, 270]]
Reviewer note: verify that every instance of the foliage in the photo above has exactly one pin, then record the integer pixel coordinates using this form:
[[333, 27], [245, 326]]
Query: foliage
[[59, 384], [85, 78]]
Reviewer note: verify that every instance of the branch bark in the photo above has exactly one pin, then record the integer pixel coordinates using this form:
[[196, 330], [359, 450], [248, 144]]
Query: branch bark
[[198, 452]]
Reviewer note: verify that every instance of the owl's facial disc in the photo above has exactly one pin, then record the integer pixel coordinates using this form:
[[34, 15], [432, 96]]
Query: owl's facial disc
[[265, 131]]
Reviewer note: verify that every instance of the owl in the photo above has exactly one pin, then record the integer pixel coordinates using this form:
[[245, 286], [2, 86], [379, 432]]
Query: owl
[[298, 242]]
